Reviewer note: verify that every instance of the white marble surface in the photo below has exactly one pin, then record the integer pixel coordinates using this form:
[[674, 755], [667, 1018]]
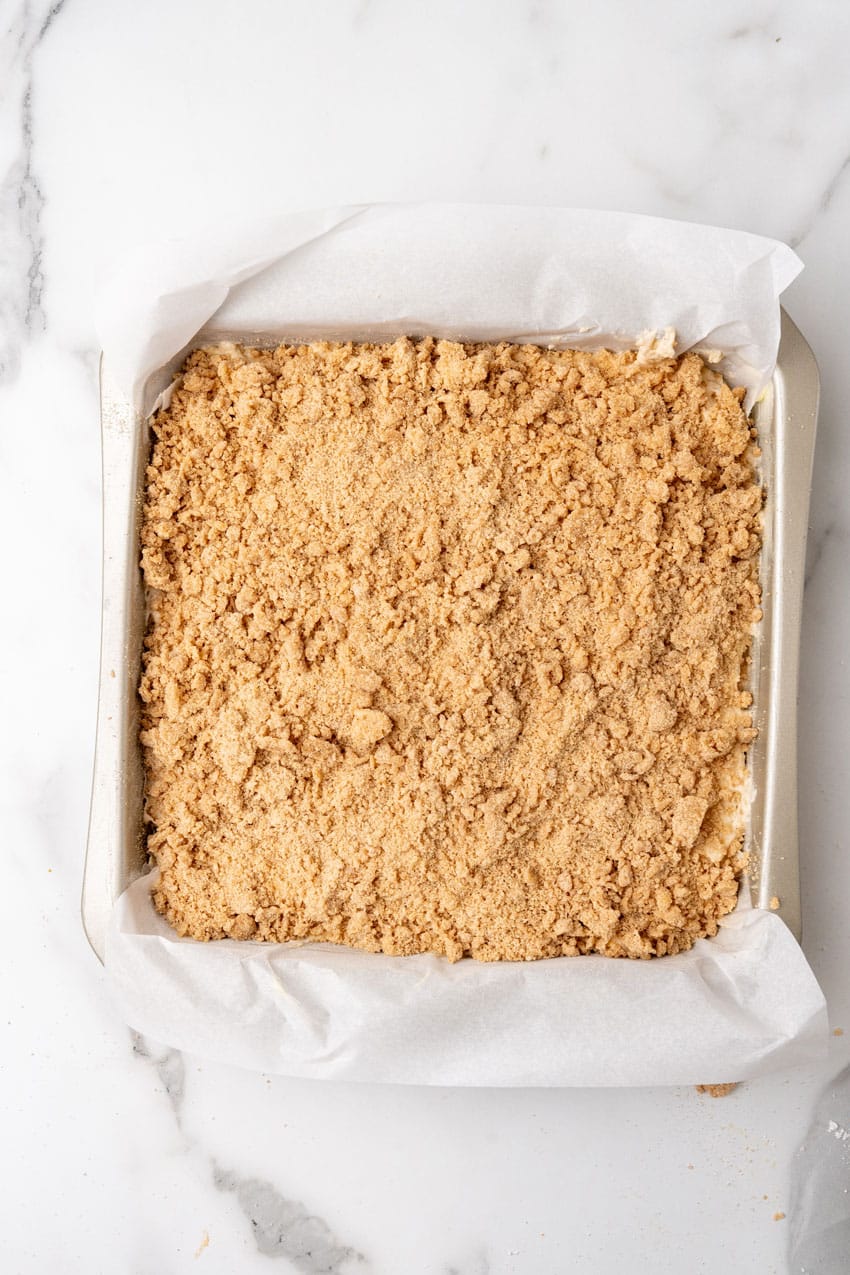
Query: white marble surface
[[123, 121]]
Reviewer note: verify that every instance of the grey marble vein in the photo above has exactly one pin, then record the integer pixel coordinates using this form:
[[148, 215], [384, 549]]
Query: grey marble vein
[[285, 1228], [673, 189], [817, 547], [282, 1228], [480, 1265], [833, 537], [170, 1068], [538, 14], [21, 196], [831, 190], [765, 30], [89, 358]]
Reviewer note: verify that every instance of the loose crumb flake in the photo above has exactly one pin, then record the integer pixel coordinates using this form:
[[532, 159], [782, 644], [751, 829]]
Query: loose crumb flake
[[446, 648], [775, 904], [717, 1091]]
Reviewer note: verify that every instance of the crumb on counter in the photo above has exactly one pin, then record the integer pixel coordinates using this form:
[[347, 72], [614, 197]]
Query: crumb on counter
[[446, 648], [717, 1091]]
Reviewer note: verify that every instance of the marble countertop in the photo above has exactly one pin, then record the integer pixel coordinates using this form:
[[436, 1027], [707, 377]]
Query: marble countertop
[[123, 122]]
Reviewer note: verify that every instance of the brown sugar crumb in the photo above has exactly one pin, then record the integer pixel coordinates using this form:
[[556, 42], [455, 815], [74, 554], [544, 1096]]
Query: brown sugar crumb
[[717, 1091], [775, 904], [778, 1217], [446, 648], [838, 1031]]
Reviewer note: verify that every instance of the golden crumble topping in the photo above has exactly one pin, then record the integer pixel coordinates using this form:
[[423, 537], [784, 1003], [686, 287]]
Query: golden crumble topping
[[446, 648]]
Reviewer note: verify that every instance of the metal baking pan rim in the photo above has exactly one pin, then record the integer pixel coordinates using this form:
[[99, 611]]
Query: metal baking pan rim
[[786, 419]]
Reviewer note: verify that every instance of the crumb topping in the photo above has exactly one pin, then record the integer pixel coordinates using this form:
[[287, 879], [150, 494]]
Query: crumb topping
[[446, 648]]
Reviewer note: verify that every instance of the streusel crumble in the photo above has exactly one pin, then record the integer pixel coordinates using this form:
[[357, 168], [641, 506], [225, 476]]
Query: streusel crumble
[[447, 646]]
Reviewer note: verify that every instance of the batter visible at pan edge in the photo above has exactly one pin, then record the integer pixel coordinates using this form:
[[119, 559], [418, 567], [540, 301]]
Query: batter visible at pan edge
[[446, 648]]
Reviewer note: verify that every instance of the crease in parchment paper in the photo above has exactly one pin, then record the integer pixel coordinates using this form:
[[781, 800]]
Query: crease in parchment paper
[[735, 1006], [565, 277]]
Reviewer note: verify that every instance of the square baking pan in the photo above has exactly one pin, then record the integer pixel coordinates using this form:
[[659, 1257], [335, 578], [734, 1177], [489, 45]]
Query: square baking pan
[[786, 420]]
